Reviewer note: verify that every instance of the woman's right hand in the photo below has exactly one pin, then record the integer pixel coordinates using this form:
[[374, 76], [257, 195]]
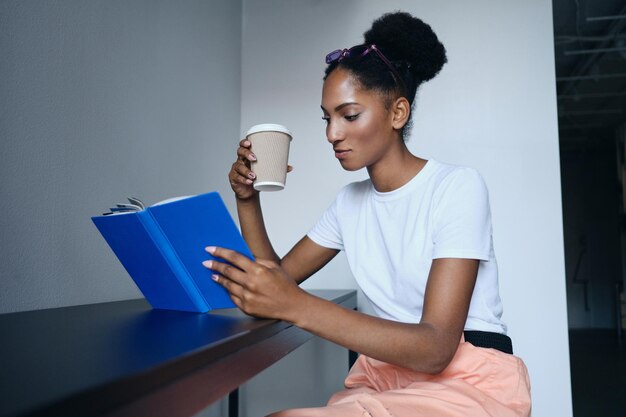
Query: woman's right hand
[[241, 176]]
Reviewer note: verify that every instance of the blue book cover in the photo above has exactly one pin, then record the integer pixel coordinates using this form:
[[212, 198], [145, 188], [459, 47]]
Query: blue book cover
[[162, 249]]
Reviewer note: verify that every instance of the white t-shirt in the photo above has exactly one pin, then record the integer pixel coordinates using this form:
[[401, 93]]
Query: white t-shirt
[[391, 238]]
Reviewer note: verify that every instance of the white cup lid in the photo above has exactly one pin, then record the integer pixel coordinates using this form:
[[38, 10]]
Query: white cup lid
[[265, 127]]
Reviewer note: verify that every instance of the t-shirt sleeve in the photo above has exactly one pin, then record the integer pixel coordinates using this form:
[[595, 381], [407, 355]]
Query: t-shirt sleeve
[[326, 232], [462, 218]]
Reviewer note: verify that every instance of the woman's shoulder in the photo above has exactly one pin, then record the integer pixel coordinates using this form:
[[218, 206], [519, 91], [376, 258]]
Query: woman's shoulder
[[356, 188], [354, 192], [447, 173], [450, 178]]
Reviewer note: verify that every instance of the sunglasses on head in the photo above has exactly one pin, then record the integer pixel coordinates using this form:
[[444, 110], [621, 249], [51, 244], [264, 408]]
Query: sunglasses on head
[[360, 51]]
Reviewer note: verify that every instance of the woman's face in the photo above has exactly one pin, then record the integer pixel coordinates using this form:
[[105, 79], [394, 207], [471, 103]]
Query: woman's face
[[357, 123]]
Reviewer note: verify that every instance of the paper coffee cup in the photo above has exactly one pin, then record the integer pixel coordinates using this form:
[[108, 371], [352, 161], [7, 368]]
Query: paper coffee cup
[[270, 145]]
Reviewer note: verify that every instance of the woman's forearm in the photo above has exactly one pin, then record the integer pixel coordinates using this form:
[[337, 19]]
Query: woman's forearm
[[427, 347], [421, 347], [253, 228]]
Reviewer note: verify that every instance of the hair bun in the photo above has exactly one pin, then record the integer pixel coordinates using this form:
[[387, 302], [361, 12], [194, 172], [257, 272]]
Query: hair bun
[[403, 37]]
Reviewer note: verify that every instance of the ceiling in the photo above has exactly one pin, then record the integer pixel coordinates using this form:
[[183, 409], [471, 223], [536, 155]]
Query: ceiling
[[590, 59]]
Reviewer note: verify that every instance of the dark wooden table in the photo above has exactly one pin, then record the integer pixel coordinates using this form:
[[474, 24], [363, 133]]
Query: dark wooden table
[[125, 359]]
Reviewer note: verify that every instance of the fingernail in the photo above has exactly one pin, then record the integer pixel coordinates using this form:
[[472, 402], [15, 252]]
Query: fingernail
[[210, 249], [251, 175], [246, 143], [252, 157], [248, 182], [208, 264], [215, 277]]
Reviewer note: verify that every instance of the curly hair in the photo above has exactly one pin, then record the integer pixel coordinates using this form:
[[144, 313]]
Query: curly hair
[[409, 44]]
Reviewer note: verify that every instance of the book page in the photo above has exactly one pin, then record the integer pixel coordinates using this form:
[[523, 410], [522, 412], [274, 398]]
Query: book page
[[170, 200]]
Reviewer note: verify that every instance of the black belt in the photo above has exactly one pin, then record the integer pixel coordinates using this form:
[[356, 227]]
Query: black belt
[[491, 340]]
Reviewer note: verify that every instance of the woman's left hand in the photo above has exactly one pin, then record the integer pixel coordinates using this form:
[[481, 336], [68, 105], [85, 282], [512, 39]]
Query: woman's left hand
[[260, 288]]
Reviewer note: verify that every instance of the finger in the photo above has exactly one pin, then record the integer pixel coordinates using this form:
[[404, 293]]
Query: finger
[[235, 178], [237, 301], [234, 289], [245, 154], [237, 265], [226, 271], [241, 180], [289, 168], [242, 169], [245, 143], [240, 261], [240, 305]]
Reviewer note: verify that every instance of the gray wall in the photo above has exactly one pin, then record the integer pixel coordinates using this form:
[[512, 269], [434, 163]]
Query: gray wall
[[101, 100]]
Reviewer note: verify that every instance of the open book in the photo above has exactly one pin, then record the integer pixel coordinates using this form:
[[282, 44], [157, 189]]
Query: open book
[[162, 248]]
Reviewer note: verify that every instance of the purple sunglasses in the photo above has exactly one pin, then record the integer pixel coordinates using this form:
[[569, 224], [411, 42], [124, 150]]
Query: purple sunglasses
[[361, 51]]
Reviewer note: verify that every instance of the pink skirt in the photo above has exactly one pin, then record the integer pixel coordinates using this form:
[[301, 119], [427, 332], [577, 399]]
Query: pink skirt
[[478, 382]]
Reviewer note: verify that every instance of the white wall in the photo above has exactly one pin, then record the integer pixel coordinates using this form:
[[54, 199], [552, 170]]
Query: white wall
[[101, 100], [492, 107]]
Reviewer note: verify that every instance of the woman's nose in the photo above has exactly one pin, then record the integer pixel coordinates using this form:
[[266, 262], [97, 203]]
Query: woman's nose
[[333, 132]]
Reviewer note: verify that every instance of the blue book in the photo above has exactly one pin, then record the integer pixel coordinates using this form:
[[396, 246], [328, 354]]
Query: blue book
[[162, 249]]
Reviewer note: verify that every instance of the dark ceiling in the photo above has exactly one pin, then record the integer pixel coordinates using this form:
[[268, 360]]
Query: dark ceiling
[[590, 59]]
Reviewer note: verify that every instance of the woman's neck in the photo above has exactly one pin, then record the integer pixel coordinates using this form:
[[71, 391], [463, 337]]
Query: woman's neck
[[395, 169]]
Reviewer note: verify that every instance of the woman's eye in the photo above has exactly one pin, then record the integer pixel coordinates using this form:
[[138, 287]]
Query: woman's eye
[[351, 117]]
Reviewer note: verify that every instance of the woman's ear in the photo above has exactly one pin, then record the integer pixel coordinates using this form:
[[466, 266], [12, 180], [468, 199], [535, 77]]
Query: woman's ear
[[400, 110]]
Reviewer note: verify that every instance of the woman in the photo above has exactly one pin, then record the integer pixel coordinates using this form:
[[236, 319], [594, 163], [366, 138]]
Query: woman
[[417, 235]]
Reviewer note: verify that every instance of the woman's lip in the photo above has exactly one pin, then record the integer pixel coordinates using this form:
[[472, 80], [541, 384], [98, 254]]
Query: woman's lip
[[340, 154]]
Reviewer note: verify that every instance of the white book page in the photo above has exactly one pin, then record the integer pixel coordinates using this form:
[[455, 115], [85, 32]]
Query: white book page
[[171, 200]]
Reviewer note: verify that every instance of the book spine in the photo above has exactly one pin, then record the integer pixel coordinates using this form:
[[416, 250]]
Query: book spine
[[172, 259]]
